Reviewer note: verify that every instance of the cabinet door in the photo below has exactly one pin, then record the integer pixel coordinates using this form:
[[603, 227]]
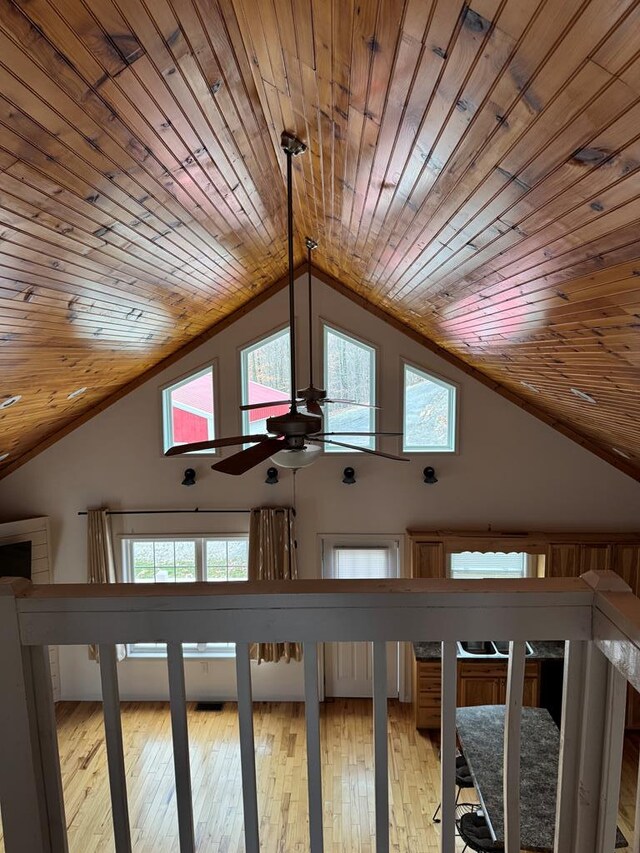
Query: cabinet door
[[628, 565], [428, 560], [563, 561], [530, 693], [596, 557], [479, 691]]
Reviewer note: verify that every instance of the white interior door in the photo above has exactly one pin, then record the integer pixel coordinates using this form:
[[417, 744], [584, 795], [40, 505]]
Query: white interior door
[[348, 667]]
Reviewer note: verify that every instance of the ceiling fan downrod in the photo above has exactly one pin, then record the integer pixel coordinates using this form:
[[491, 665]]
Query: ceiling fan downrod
[[292, 147]]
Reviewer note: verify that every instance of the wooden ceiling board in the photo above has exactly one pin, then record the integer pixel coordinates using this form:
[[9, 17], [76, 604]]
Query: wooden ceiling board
[[472, 174]]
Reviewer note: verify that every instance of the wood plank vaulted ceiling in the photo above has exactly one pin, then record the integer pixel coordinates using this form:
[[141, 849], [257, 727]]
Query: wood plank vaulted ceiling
[[473, 171]]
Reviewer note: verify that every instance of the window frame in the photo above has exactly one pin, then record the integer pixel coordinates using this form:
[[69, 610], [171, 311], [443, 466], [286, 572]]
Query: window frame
[[327, 543], [530, 562], [326, 326], [202, 651], [243, 389], [454, 410], [166, 428]]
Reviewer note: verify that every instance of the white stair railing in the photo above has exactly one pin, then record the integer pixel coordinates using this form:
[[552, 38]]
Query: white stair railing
[[597, 615]]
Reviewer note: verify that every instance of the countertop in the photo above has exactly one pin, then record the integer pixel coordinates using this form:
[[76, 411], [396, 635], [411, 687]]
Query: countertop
[[481, 734], [542, 650]]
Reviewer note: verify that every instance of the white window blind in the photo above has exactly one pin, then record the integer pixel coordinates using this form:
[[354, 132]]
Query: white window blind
[[352, 563], [493, 564]]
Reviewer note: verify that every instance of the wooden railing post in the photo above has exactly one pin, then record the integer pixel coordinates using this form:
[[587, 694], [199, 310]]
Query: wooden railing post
[[570, 743], [30, 797], [603, 719], [600, 759]]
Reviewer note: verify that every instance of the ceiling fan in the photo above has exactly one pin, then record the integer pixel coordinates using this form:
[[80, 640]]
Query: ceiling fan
[[292, 438], [311, 397]]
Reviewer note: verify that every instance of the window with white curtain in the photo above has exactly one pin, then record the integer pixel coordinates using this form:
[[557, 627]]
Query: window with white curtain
[[491, 564], [180, 559], [359, 559]]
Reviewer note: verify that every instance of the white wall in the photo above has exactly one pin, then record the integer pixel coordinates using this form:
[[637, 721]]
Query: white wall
[[36, 531], [512, 471]]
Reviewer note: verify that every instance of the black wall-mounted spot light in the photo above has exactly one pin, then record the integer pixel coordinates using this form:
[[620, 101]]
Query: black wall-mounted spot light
[[430, 475], [349, 476], [189, 477], [272, 476]]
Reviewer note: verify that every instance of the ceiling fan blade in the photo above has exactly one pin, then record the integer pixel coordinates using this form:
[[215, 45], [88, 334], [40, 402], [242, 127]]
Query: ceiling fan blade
[[249, 406], [193, 446], [361, 449], [313, 407], [339, 432], [242, 461], [352, 403]]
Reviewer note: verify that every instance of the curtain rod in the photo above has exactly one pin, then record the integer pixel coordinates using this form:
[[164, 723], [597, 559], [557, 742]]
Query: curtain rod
[[168, 511]]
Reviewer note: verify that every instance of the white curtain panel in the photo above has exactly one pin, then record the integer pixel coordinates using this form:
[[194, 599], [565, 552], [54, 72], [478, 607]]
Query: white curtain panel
[[272, 556], [101, 564]]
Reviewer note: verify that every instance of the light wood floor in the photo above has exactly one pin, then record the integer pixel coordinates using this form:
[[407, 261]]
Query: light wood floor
[[281, 770]]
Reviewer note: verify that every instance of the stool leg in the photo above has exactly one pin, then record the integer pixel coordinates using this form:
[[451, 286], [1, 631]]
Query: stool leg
[[435, 817]]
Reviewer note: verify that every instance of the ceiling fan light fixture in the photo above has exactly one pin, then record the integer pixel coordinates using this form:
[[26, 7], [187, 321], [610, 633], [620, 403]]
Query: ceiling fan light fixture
[[297, 457]]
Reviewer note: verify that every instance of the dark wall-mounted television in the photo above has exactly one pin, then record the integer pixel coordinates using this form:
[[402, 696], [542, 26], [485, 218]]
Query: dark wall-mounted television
[[15, 560]]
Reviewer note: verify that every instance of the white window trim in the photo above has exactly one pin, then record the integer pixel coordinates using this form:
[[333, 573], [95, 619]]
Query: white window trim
[[243, 353], [166, 435], [327, 542], [373, 419], [454, 410], [203, 651]]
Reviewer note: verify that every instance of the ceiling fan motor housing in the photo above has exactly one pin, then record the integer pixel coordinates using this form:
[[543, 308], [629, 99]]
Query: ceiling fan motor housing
[[312, 395], [295, 427]]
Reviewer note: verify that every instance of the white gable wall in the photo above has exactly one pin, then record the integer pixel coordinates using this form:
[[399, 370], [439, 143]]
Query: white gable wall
[[511, 471]]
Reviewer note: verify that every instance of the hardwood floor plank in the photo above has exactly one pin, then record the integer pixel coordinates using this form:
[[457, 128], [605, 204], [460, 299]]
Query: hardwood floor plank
[[348, 778]]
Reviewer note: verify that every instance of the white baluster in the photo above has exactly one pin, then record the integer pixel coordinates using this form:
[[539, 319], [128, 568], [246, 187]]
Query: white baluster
[[115, 752], [572, 698], [448, 745], [180, 732], [381, 761], [512, 722], [247, 749], [314, 765]]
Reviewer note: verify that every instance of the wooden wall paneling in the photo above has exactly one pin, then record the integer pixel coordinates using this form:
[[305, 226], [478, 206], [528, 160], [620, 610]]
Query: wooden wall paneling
[[471, 173], [547, 86], [483, 46]]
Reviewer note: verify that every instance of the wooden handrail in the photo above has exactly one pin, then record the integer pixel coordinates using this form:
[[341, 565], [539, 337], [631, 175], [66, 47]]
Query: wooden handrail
[[596, 614]]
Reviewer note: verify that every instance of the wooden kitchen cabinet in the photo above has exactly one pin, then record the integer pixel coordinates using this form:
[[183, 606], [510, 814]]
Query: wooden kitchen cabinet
[[427, 559], [479, 683], [478, 690], [559, 554]]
